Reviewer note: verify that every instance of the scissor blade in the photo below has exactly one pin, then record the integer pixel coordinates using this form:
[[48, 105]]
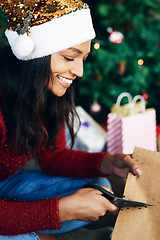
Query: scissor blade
[[121, 203]]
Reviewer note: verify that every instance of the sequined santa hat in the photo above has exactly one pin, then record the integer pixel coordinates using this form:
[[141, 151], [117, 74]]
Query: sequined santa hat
[[42, 27]]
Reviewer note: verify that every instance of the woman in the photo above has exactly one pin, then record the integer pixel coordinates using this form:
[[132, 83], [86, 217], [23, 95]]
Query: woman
[[37, 78]]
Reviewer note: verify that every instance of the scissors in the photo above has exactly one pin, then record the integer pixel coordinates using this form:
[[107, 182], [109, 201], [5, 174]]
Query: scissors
[[119, 202]]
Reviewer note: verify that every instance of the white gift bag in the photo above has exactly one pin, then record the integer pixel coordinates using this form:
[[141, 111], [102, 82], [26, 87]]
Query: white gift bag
[[91, 137], [132, 130]]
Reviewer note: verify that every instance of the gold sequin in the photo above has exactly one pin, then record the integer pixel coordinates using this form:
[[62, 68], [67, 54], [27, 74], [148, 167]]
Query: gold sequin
[[27, 13]]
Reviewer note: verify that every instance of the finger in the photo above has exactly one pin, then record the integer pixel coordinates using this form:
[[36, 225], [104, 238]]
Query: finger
[[111, 207], [108, 189], [133, 166], [115, 211], [122, 172], [137, 171]]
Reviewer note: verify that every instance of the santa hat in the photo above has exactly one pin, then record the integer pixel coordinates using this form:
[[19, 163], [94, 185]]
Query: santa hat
[[42, 27]]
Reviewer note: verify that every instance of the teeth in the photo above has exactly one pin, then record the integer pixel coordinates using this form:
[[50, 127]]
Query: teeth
[[65, 80]]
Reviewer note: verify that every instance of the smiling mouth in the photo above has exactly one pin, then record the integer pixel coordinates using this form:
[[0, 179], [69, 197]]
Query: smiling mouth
[[65, 80]]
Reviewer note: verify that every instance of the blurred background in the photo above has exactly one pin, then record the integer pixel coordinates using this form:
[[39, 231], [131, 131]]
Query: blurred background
[[125, 55]]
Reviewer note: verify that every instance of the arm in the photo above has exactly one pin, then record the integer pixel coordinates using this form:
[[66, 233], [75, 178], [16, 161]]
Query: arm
[[9, 161], [73, 163], [69, 162], [22, 217], [25, 217]]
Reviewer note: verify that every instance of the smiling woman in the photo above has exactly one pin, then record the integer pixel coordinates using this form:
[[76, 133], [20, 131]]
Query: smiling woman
[[66, 66], [38, 71]]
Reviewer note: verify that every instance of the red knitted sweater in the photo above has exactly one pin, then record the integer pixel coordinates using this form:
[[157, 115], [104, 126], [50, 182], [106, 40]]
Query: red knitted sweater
[[25, 217]]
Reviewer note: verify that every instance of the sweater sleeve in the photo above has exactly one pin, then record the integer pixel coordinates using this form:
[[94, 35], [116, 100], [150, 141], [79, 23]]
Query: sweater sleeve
[[70, 162], [25, 217], [22, 217], [9, 161]]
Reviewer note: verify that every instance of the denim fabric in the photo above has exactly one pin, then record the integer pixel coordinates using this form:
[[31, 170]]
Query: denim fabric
[[34, 185], [29, 236]]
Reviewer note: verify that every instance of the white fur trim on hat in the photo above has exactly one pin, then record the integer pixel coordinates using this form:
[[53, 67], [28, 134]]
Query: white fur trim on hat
[[59, 34]]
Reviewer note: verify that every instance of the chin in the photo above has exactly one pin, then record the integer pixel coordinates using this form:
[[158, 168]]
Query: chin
[[60, 95], [57, 93]]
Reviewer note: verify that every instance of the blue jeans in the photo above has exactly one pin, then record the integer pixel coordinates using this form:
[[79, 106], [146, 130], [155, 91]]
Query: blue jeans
[[35, 185]]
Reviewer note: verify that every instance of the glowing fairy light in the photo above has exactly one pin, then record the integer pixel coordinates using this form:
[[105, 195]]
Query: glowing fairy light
[[96, 45], [140, 62]]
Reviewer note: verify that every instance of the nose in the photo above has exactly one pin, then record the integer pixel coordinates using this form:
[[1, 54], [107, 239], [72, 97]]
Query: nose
[[77, 68]]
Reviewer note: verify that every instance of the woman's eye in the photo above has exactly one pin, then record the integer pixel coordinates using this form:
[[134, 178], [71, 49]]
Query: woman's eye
[[68, 59]]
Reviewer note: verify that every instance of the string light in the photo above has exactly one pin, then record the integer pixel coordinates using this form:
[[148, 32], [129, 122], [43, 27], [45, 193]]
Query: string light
[[96, 45], [140, 62]]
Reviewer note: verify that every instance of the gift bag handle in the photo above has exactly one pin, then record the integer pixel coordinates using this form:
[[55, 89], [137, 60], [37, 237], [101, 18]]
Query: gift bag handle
[[135, 99], [122, 95]]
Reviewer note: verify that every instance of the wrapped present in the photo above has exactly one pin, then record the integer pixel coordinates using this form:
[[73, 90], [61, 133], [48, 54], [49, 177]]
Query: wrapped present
[[91, 137], [131, 125]]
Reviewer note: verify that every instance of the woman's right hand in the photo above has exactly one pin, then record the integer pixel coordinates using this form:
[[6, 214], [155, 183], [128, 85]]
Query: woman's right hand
[[86, 204]]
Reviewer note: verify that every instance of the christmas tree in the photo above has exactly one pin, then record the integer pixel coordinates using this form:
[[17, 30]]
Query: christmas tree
[[3, 26], [116, 64]]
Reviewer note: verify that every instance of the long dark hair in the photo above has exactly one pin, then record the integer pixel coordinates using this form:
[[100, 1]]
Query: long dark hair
[[31, 112]]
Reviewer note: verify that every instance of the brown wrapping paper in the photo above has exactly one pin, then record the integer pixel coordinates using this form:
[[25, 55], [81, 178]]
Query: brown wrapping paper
[[141, 223]]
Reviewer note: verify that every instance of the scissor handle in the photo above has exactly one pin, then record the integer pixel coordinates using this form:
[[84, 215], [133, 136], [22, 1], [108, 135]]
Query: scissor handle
[[108, 195], [119, 202]]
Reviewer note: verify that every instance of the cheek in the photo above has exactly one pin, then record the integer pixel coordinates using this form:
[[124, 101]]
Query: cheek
[[52, 86], [55, 88], [55, 64], [59, 66], [58, 69]]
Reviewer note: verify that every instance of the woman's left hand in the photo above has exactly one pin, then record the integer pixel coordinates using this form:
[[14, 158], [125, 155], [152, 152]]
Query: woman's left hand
[[119, 164]]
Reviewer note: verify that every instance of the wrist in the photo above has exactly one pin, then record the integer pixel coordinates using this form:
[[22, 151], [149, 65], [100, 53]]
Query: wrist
[[66, 209], [106, 166]]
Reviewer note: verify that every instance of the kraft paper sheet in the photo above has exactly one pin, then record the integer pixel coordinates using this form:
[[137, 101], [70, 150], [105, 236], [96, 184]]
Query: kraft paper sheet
[[141, 223]]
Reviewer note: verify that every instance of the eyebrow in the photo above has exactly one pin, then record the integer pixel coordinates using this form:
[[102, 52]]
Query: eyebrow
[[75, 50]]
